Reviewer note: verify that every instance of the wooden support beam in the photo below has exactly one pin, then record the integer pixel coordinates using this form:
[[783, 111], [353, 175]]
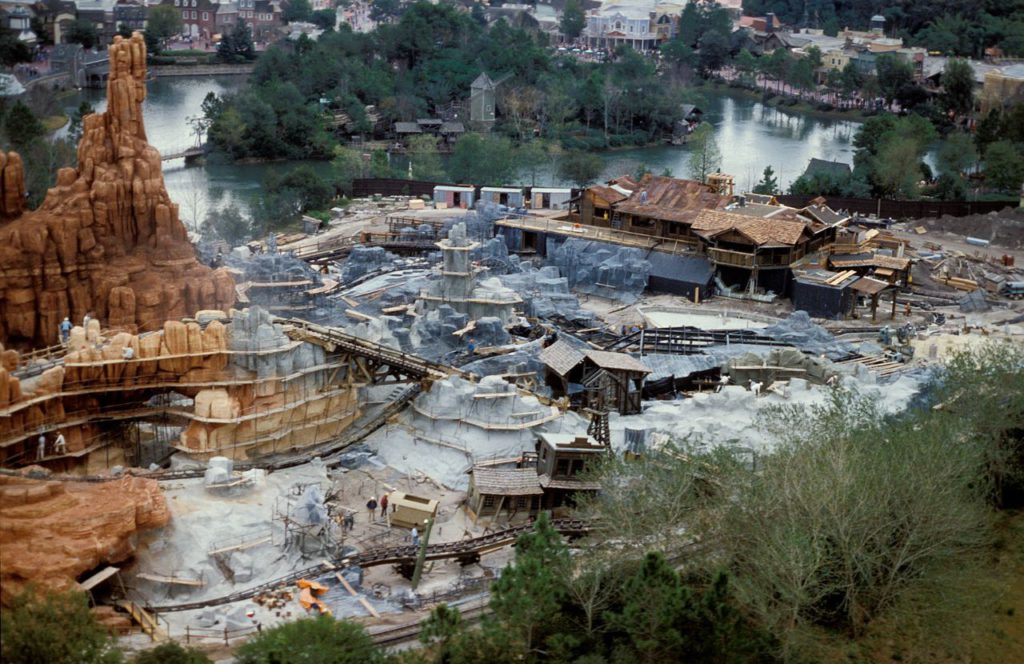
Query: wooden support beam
[[362, 600]]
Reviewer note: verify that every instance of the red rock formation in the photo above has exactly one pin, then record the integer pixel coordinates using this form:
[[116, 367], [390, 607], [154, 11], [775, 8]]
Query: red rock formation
[[52, 532], [107, 238]]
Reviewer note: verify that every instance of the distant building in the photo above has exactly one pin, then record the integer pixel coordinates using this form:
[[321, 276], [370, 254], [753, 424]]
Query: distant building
[[18, 20], [877, 23], [130, 14], [833, 169], [56, 16], [614, 25], [101, 14], [483, 95], [1002, 88]]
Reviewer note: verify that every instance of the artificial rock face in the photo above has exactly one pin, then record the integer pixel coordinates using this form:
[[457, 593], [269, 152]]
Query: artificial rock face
[[107, 239], [52, 532]]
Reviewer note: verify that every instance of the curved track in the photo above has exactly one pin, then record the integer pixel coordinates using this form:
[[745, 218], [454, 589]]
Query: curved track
[[469, 550]]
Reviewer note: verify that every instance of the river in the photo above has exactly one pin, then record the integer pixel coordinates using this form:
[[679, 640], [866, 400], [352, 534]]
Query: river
[[749, 134]]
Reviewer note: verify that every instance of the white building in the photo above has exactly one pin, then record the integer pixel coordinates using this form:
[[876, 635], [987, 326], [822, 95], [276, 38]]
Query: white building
[[612, 25]]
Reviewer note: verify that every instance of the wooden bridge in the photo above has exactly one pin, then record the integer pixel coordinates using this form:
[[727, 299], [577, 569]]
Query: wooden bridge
[[190, 154]]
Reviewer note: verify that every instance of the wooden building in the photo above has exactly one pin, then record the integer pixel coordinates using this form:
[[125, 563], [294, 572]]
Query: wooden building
[[563, 460], [593, 378], [550, 479], [504, 492]]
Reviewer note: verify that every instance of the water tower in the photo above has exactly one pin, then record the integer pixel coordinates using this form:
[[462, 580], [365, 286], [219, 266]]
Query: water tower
[[878, 23]]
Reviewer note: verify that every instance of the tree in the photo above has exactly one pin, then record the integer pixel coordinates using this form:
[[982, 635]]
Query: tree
[[347, 165], [297, 10], [442, 625], [171, 653], [22, 126], [893, 74], [320, 639], [83, 32], [228, 224], [714, 50], [957, 154], [898, 170], [484, 160], [573, 20], [654, 606], [958, 87], [705, 157], [424, 160], [530, 157], [54, 628], [75, 123], [526, 598], [1004, 166], [382, 11], [769, 184], [163, 22], [236, 45], [746, 65], [311, 191], [810, 550], [580, 168], [12, 49], [325, 19]]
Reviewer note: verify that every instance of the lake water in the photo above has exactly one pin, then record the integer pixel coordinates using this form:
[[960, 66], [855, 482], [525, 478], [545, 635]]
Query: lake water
[[750, 136]]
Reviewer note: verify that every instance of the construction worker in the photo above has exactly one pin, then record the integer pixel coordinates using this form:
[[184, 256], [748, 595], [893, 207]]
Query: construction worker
[[371, 507], [60, 446], [65, 330], [415, 536], [41, 450], [383, 505], [471, 346]]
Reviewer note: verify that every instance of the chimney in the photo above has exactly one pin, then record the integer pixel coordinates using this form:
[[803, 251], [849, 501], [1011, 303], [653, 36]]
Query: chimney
[[769, 21]]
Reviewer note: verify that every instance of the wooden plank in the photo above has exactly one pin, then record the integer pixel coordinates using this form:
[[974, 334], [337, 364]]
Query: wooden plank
[[358, 314], [362, 600], [175, 580], [469, 328], [241, 546]]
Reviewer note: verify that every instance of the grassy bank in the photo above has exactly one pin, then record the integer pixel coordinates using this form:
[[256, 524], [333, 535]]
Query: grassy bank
[[780, 102]]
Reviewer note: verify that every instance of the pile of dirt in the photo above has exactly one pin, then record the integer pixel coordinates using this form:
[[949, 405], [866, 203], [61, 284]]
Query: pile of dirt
[[1004, 229]]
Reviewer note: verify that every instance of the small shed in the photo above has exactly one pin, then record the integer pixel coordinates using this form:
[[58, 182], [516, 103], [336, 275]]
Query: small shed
[[455, 195], [410, 510], [824, 294], [510, 196], [550, 198], [595, 379], [512, 491]]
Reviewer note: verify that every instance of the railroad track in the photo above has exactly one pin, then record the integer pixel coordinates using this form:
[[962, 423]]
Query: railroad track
[[388, 637], [466, 551]]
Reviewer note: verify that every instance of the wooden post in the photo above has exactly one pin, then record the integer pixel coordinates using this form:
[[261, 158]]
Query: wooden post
[[874, 306], [893, 314]]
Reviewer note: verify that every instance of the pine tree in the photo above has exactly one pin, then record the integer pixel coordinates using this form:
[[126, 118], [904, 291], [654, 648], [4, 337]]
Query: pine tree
[[769, 184], [527, 599], [655, 602]]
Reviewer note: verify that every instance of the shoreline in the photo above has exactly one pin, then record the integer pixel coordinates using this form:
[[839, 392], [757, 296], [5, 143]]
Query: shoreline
[[800, 108]]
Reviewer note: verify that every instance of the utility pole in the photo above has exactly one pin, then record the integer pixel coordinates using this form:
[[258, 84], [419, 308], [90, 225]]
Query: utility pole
[[422, 556]]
